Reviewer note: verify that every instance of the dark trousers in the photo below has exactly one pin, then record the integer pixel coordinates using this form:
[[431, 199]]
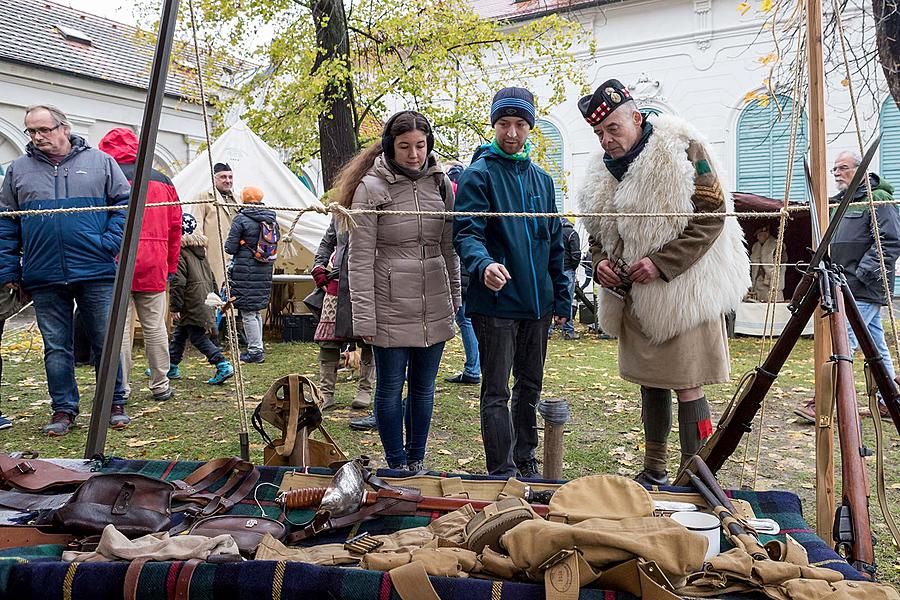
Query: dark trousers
[[197, 336], [510, 432]]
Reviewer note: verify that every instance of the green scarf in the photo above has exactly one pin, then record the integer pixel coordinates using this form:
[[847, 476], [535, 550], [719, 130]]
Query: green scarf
[[523, 154]]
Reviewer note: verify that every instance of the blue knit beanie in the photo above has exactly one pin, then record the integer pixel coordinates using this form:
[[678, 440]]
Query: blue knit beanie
[[513, 102]]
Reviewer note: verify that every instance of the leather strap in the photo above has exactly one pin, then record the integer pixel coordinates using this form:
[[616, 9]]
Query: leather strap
[[411, 582], [132, 577], [205, 475], [289, 432], [183, 584], [35, 475], [879, 457], [17, 536]]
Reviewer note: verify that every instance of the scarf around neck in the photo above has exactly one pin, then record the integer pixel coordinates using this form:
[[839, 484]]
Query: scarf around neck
[[523, 154], [619, 166]]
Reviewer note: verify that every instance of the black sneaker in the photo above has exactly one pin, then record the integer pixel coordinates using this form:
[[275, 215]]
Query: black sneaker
[[365, 424], [529, 469], [463, 379]]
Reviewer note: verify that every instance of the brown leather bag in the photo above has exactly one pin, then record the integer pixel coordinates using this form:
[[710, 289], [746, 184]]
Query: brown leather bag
[[34, 475], [247, 531], [135, 504]]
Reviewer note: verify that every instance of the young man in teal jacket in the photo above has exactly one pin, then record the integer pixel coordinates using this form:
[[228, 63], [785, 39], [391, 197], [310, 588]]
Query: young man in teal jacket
[[517, 282]]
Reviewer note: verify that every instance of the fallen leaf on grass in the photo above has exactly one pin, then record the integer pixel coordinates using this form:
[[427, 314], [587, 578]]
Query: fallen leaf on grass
[[464, 461], [444, 451], [142, 443]]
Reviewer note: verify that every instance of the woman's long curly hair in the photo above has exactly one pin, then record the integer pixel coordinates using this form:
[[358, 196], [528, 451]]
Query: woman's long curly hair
[[352, 173]]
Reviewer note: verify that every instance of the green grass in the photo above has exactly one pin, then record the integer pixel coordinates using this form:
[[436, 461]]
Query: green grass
[[604, 435]]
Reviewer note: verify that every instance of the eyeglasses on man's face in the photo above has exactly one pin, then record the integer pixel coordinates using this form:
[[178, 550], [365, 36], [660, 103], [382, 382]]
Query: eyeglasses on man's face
[[841, 169], [33, 131]]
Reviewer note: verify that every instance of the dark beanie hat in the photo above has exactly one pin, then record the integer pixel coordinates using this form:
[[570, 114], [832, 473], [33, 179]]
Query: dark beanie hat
[[219, 167], [513, 102], [605, 99]]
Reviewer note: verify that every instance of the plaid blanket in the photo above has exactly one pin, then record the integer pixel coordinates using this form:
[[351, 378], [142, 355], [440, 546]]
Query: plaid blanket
[[37, 572]]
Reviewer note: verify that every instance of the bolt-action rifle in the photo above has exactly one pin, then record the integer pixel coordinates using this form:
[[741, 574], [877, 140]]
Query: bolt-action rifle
[[822, 285]]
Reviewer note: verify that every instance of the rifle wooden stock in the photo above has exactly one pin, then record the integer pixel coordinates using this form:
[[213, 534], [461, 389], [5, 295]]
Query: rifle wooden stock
[[738, 417], [312, 497], [854, 491], [887, 386]]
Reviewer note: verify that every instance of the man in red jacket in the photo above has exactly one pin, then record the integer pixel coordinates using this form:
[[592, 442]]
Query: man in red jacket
[[157, 261]]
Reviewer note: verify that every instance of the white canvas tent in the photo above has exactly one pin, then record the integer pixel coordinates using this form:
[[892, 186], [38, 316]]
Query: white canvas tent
[[255, 163]]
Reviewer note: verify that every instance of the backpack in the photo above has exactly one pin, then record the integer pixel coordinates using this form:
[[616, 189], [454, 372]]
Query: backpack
[[267, 247]]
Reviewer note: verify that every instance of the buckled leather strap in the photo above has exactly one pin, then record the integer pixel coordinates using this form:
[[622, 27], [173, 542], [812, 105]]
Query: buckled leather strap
[[322, 521], [132, 577], [183, 584], [205, 475]]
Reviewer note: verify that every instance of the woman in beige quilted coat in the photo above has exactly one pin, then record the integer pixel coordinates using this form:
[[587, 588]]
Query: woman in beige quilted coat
[[404, 277]]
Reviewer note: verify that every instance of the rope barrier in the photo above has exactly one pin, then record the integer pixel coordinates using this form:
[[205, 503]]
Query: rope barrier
[[349, 212]]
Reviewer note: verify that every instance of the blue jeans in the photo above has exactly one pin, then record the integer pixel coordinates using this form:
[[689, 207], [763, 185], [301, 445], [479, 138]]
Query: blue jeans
[[54, 308], [470, 343], [871, 314], [569, 327], [418, 366]]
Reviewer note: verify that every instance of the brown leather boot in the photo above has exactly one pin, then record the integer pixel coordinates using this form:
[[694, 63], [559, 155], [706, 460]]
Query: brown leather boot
[[363, 396], [806, 412], [327, 381]]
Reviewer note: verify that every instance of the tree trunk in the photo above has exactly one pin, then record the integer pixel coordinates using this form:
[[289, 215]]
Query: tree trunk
[[337, 134], [887, 36]]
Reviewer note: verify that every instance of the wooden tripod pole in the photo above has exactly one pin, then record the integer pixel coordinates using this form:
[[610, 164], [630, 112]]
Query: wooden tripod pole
[[818, 168]]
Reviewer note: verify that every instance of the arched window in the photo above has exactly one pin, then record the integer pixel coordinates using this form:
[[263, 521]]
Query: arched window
[[763, 148], [554, 158], [890, 142]]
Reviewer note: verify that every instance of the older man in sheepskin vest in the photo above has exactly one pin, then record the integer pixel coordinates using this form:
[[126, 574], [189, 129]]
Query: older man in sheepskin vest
[[668, 280]]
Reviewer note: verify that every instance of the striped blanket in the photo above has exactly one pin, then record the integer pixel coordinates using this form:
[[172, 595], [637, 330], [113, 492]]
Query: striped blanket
[[37, 572]]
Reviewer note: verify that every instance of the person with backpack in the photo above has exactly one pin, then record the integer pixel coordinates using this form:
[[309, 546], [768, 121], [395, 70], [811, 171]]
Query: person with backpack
[[193, 282], [253, 242]]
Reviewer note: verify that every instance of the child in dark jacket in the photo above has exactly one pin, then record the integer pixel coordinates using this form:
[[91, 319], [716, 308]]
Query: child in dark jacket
[[187, 302], [251, 279]]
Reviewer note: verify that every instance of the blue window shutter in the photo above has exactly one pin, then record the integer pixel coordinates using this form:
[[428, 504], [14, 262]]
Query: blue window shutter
[[889, 152], [763, 148], [890, 142], [554, 158]]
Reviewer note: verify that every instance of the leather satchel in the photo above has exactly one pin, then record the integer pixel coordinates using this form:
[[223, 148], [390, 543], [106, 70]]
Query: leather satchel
[[35, 475], [247, 531], [136, 504]]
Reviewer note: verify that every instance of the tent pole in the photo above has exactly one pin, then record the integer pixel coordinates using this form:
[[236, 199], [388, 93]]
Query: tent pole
[[112, 343], [818, 168]]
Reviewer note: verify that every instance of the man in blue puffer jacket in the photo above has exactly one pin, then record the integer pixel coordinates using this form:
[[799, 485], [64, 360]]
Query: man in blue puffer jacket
[[516, 280], [63, 259]]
